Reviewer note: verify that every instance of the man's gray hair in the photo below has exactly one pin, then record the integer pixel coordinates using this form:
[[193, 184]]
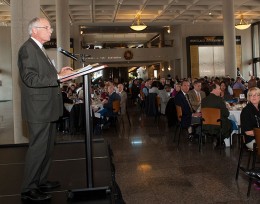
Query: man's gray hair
[[33, 23]]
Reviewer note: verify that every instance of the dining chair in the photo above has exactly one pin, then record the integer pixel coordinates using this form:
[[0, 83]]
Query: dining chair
[[242, 150], [179, 127], [255, 154], [237, 92], [252, 153], [210, 117], [116, 110]]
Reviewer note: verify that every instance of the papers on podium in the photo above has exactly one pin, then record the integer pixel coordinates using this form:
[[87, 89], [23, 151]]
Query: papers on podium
[[83, 71]]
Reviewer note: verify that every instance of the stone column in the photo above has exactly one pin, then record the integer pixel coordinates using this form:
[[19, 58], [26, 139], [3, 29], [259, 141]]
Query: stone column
[[22, 12], [62, 32], [229, 38]]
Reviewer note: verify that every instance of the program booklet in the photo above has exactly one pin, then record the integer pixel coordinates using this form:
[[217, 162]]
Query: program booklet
[[83, 71]]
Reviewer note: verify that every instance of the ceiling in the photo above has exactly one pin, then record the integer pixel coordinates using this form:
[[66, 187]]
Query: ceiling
[[113, 17]]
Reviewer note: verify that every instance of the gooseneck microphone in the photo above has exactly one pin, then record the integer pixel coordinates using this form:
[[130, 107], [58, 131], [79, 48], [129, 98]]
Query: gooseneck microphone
[[68, 54]]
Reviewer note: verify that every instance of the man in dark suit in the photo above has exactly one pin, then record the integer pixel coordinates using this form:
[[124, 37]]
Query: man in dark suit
[[41, 108], [189, 116], [213, 100]]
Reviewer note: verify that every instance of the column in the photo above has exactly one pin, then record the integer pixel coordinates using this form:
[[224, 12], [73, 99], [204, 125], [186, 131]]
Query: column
[[22, 12], [229, 38], [62, 32]]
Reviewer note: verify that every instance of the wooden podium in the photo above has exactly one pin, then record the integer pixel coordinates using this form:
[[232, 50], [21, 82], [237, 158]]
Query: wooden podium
[[91, 192]]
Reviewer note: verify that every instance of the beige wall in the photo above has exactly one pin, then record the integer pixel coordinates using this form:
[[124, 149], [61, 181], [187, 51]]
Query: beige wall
[[211, 30]]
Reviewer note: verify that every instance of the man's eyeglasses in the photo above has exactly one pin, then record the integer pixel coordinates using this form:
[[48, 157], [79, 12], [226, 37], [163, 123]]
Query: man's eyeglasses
[[45, 27]]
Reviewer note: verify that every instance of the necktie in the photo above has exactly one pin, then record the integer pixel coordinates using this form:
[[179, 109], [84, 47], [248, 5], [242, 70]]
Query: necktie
[[188, 100], [198, 97], [45, 53]]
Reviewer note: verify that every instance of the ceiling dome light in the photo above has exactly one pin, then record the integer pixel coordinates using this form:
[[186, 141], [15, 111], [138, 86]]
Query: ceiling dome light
[[242, 25], [137, 24]]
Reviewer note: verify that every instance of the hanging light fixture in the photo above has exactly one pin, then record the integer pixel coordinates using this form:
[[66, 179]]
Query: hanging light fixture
[[168, 29], [242, 25], [169, 66], [137, 25]]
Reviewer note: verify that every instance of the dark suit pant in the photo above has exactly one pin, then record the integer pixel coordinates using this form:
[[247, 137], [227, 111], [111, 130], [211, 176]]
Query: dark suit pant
[[39, 154]]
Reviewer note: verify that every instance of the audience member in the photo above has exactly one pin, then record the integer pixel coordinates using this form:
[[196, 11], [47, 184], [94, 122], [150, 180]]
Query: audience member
[[213, 100], [189, 116], [238, 84], [177, 88], [154, 87], [196, 95], [250, 116], [147, 87], [252, 82], [123, 101], [224, 92], [107, 110], [164, 94]]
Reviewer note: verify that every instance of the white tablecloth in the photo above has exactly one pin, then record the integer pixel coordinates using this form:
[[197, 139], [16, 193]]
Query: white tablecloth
[[235, 116]]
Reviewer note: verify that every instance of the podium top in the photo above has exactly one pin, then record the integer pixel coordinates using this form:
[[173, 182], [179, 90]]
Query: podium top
[[83, 71]]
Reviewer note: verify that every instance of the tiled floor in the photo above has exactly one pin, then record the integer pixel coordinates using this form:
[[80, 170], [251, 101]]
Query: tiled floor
[[150, 169]]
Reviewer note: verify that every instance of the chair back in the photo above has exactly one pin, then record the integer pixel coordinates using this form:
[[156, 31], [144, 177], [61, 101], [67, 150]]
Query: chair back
[[179, 112], [210, 116], [116, 106], [257, 138], [237, 92], [158, 101]]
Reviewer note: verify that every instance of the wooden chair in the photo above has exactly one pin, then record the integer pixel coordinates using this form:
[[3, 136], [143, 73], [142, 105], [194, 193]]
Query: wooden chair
[[179, 117], [237, 92], [210, 116], [179, 126], [243, 149], [116, 110], [250, 152], [255, 153]]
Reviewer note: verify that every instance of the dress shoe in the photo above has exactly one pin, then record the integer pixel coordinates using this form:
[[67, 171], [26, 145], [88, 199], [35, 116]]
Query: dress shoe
[[35, 195], [253, 173], [49, 185]]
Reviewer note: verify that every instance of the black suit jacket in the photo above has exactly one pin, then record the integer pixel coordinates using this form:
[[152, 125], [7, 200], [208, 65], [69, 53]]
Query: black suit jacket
[[213, 101], [40, 93], [181, 100]]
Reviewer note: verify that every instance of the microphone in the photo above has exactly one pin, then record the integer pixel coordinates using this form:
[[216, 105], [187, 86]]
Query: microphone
[[68, 54]]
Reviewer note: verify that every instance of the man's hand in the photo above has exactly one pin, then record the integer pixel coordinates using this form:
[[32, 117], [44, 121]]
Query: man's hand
[[65, 71]]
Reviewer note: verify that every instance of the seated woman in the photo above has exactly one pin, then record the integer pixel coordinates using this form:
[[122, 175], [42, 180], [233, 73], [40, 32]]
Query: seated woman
[[224, 92], [177, 88], [250, 116]]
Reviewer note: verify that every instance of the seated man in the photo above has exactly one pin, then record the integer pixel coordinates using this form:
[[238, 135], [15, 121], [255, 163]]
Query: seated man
[[213, 100], [107, 110], [196, 95], [123, 96], [189, 116]]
